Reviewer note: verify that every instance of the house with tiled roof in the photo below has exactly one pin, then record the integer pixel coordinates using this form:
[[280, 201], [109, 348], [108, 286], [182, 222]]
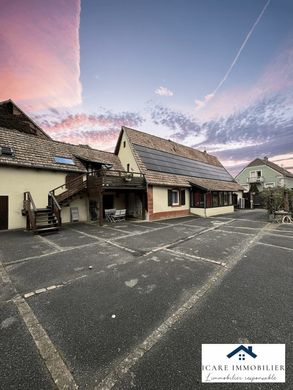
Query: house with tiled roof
[[262, 173], [45, 182], [180, 179]]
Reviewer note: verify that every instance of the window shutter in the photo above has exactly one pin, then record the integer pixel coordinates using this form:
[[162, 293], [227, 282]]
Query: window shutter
[[169, 197], [182, 193]]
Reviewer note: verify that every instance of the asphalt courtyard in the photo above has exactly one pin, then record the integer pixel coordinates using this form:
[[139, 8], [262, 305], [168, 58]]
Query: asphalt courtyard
[[128, 305]]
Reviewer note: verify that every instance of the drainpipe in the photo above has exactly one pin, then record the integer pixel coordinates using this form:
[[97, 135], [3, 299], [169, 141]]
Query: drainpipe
[[205, 204]]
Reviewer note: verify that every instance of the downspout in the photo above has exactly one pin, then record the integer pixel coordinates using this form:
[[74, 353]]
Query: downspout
[[205, 204]]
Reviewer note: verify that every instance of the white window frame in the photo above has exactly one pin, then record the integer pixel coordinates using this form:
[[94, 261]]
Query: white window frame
[[255, 172]]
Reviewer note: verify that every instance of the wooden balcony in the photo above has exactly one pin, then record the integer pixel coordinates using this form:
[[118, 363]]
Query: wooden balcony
[[110, 179]]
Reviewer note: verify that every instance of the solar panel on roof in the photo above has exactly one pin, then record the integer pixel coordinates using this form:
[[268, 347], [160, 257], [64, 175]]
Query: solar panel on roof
[[159, 161]]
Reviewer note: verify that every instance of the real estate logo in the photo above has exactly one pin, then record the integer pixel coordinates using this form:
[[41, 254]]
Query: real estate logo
[[253, 363]]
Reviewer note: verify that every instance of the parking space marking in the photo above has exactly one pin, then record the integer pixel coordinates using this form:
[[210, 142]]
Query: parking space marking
[[53, 287], [52, 359], [281, 230], [231, 232], [58, 369], [240, 219], [67, 249], [246, 227], [184, 239], [51, 243], [194, 257], [278, 235], [3, 274], [120, 246], [275, 246], [118, 370], [117, 229]]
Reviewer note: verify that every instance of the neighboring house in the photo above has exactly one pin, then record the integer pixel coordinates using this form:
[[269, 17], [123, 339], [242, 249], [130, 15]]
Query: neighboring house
[[180, 180], [44, 182], [261, 174]]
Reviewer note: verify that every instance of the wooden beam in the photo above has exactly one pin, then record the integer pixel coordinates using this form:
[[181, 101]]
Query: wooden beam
[[100, 208]]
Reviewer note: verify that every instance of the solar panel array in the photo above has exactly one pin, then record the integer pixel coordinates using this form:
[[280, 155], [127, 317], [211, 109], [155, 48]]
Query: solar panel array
[[156, 160]]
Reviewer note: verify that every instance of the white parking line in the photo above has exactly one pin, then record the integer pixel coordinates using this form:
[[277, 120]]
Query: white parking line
[[194, 257], [118, 371], [231, 232], [67, 249], [58, 369], [51, 243], [275, 246]]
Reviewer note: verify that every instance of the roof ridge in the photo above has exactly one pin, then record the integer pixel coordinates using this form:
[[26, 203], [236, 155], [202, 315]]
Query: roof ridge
[[169, 140], [26, 115], [270, 163], [53, 140]]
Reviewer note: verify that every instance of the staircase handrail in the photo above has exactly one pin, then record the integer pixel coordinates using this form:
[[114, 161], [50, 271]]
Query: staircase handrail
[[28, 197], [30, 208], [54, 200], [55, 206], [72, 182]]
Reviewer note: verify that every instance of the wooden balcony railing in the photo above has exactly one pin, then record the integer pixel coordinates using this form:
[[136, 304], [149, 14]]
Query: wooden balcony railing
[[116, 179], [97, 181], [67, 190]]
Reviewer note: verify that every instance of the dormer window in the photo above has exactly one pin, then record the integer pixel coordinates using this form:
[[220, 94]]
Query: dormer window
[[64, 160], [6, 151]]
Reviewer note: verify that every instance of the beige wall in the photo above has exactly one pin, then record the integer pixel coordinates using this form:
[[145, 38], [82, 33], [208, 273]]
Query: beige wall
[[160, 200], [126, 156], [15, 181], [83, 209], [210, 212]]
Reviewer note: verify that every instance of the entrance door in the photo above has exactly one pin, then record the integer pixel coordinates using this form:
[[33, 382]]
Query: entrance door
[[3, 212]]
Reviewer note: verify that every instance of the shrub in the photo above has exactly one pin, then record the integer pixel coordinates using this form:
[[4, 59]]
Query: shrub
[[279, 198]]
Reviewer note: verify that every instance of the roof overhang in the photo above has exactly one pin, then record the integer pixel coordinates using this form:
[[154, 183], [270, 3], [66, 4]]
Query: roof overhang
[[216, 185]]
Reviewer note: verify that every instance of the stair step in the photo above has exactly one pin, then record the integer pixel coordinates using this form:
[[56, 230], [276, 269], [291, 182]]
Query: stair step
[[46, 229], [45, 217], [46, 223]]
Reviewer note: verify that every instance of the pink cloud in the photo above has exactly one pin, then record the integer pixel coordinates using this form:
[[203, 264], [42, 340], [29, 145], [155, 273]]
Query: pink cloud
[[82, 121], [39, 45], [97, 130], [103, 139]]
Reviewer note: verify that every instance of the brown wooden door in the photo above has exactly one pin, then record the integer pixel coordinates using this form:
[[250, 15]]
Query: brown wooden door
[[3, 212]]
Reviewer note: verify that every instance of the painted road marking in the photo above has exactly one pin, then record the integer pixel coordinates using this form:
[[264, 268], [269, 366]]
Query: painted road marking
[[118, 370]]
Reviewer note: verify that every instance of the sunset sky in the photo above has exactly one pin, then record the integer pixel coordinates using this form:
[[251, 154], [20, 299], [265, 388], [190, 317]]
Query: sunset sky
[[212, 74]]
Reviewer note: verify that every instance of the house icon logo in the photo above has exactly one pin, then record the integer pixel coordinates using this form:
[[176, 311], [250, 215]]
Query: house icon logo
[[242, 352]]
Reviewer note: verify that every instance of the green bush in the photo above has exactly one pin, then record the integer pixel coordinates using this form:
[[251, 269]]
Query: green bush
[[279, 198]]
